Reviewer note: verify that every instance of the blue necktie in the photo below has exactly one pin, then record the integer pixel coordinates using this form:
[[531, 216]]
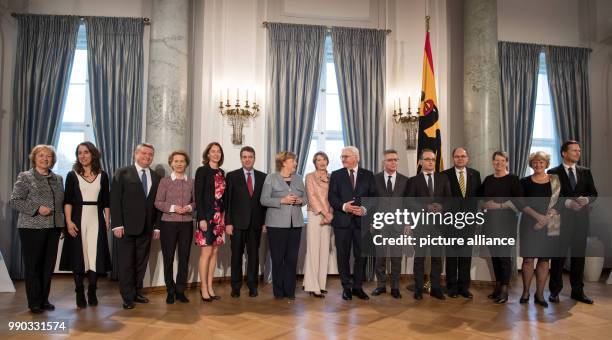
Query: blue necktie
[[145, 185]]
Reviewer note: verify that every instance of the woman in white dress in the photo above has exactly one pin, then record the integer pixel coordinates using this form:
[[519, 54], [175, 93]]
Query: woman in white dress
[[86, 203]]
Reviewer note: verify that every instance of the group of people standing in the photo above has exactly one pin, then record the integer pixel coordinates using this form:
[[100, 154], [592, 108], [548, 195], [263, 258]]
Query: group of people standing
[[138, 205]]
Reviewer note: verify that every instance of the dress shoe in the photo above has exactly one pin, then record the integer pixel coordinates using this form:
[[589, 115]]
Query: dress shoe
[[235, 293], [554, 298], [418, 295], [395, 293], [253, 293], [524, 300], [503, 298], [291, 297], [323, 291], [437, 294], [317, 295], [580, 297], [347, 295], [208, 299], [540, 302], [141, 299], [128, 305], [170, 298], [379, 290], [495, 294], [182, 298], [47, 306], [360, 294], [452, 292], [215, 297], [466, 294], [36, 310]]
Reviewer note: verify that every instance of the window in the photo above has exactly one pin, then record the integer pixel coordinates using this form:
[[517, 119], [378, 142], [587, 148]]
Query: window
[[544, 125], [327, 133], [76, 118]]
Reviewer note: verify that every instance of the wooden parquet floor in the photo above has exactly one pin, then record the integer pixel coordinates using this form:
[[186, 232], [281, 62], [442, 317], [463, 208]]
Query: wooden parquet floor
[[264, 317]]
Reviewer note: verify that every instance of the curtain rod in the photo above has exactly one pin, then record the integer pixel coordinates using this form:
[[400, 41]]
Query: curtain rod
[[146, 20], [387, 31]]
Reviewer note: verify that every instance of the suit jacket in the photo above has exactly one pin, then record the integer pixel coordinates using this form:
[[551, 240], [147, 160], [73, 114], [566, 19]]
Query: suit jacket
[[472, 181], [241, 209], [585, 186], [129, 206], [341, 191], [418, 188], [283, 215], [399, 190]]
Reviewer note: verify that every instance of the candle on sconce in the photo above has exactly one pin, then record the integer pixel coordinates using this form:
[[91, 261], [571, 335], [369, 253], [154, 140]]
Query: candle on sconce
[[228, 94], [220, 95], [393, 104], [238, 94], [400, 104], [408, 103], [255, 97], [247, 95]]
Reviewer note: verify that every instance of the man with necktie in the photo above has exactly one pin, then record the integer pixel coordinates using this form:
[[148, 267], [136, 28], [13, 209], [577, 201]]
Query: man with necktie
[[244, 220], [428, 191], [134, 220], [465, 185], [391, 187], [347, 187], [578, 192]]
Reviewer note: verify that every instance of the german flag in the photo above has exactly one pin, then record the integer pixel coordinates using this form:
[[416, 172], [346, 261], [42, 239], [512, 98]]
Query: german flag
[[429, 122]]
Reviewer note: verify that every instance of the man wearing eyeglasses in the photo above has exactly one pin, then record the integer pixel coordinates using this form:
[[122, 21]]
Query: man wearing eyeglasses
[[391, 186], [464, 185], [429, 188], [347, 187]]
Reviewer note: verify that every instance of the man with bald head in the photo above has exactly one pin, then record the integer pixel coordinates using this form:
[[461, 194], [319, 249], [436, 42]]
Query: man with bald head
[[464, 185], [347, 187]]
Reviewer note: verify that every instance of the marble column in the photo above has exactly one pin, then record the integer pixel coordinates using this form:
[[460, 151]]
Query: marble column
[[481, 101], [167, 91]]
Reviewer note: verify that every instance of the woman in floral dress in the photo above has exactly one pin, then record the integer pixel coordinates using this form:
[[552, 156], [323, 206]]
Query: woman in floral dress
[[210, 234]]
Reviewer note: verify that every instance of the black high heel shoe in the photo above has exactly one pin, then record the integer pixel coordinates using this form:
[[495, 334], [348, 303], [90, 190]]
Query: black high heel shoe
[[503, 295], [542, 302], [320, 296], [208, 299], [524, 300], [214, 297]]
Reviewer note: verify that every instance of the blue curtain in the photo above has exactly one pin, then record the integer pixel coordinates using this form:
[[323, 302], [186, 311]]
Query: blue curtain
[[359, 58], [568, 78], [295, 60], [519, 66], [115, 62], [45, 51]]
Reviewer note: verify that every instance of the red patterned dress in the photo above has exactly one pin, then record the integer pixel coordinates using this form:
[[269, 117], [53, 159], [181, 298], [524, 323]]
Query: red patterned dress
[[213, 207]]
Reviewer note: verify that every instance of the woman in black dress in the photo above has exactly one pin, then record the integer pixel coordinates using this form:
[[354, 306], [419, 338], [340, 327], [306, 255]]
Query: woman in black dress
[[86, 203], [542, 202], [501, 192], [209, 195]]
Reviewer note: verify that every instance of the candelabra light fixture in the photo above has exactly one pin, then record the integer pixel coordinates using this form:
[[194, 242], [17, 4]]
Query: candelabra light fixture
[[409, 122], [238, 116]]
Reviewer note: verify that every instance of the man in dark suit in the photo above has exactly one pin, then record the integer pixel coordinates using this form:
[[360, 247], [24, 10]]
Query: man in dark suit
[[429, 190], [133, 219], [347, 187], [578, 191], [391, 187], [464, 185], [245, 218]]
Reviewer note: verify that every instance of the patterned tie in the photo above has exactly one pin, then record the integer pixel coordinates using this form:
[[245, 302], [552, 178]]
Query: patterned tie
[[462, 183], [250, 184], [352, 178], [389, 186], [145, 185], [430, 186], [572, 178]]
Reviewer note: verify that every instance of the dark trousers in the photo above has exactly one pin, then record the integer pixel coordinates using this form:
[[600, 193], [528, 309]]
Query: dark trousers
[[249, 238], [133, 251], [502, 268], [39, 251], [458, 271], [574, 232], [434, 274], [175, 235], [284, 249], [345, 238], [381, 271]]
